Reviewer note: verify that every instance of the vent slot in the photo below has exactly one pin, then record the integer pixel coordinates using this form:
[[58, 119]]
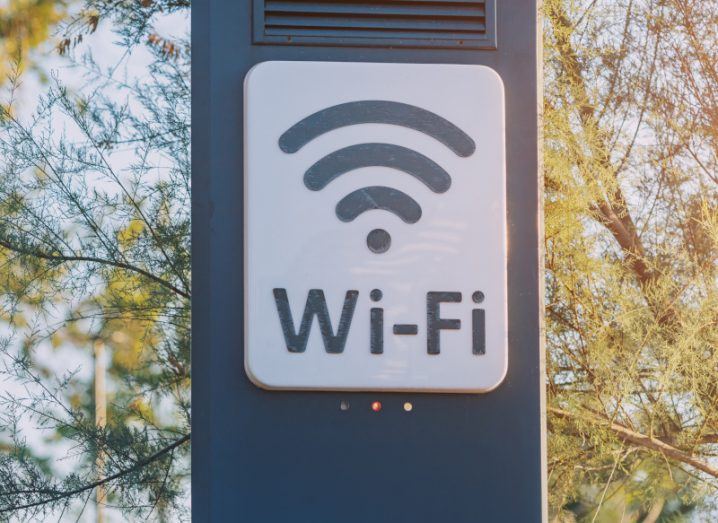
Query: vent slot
[[392, 23]]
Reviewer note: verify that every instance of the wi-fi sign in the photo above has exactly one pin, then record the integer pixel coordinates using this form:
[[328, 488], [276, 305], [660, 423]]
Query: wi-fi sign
[[398, 157], [393, 277]]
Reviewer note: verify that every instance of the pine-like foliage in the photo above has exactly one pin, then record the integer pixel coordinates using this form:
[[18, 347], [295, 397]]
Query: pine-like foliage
[[631, 157], [95, 258]]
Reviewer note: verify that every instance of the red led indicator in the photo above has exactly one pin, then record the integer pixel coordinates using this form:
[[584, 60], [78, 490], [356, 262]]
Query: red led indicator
[[376, 406]]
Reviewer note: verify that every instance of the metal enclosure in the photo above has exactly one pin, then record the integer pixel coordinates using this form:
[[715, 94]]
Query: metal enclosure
[[379, 23], [267, 456]]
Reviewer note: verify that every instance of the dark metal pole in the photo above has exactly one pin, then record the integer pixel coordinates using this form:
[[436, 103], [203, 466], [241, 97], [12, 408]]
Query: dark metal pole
[[261, 456]]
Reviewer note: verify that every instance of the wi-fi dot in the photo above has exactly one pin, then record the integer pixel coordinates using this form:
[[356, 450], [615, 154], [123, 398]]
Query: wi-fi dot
[[378, 241], [362, 155]]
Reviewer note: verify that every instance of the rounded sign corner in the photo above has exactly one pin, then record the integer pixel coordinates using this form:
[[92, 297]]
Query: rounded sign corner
[[255, 379]]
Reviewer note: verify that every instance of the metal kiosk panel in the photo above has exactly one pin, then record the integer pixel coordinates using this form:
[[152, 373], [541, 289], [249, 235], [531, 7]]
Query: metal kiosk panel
[[353, 452]]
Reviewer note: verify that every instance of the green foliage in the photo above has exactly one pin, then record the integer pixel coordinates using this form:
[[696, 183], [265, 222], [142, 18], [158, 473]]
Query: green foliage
[[94, 256], [631, 230], [25, 25]]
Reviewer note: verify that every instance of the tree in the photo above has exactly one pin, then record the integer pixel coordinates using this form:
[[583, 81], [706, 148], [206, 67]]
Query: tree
[[25, 25], [631, 231], [94, 252]]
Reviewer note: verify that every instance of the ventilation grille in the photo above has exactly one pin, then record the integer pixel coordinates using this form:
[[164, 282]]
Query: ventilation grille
[[393, 23]]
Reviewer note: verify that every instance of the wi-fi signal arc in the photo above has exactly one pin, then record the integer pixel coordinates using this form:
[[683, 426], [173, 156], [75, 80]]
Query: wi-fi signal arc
[[361, 155], [378, 197], [353, 157], [377, 111]]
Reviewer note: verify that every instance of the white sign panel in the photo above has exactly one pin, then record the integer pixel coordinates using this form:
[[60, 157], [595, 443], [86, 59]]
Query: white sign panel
[[375, 227]]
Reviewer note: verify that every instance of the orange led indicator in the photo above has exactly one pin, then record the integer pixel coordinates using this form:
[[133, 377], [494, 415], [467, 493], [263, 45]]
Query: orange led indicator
[[376, 406]]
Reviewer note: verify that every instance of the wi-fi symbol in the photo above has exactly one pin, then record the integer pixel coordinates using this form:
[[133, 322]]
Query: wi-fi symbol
[[361, 155]]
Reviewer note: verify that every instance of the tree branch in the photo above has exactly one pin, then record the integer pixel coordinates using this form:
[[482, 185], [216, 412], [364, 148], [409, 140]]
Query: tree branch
[[92, 259], [138, 465], [636, 438], [612, 211]]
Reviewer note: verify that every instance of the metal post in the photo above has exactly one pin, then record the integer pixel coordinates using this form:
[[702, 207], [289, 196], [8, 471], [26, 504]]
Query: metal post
[[100, 423], [352, 457]]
